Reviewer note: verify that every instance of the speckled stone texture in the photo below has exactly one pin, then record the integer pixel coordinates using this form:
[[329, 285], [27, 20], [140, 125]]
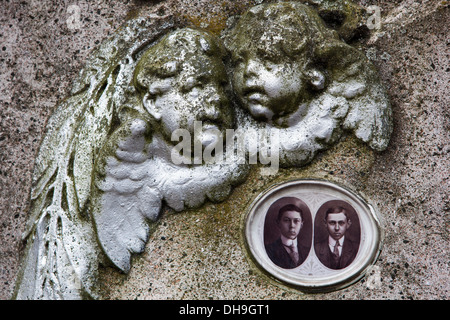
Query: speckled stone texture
[[201, 254]]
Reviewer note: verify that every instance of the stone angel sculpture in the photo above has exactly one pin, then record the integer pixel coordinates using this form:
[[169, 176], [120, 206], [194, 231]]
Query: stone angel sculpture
[[106, 164], [181, 81]]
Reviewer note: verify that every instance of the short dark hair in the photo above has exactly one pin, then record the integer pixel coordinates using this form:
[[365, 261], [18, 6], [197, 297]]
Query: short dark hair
[[336, 209], [289, 207]]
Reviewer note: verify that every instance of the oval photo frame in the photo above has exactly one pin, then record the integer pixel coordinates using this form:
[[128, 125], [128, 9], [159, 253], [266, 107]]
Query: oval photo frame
[[328, 212]]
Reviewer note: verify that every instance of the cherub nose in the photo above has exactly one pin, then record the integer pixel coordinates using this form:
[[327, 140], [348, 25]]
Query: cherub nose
[[251, 68], [217, 97], [212, 112], [212, 108], [214, 99]]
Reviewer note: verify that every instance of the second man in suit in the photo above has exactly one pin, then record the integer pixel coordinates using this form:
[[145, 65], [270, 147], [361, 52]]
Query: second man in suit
[[337, 251]]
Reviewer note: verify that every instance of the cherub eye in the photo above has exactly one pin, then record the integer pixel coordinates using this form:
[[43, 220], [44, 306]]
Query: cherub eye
[[158, 88], [269, 65], [271, 59], [153, 92], [190, 84], [151, 96]]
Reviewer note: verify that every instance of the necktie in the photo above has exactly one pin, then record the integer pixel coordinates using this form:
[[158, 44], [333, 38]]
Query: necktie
[[336, 249], [335, 258], [293, 253]]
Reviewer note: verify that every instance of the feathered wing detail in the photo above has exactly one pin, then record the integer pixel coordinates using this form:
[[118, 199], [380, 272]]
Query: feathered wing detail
[[123, 200], [134, 175], [62, 255], [355, 79], [60, 240]]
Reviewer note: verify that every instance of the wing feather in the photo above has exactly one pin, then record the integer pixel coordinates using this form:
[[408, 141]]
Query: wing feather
[[62, 254], [123, 200], [354, 78]]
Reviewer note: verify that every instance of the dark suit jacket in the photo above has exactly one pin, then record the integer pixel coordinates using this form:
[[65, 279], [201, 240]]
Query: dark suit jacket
[[278, 254], [349, 251]]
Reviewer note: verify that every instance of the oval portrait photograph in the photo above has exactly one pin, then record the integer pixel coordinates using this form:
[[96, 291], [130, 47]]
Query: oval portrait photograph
[[337, 234], [288, 232], [314, 235]]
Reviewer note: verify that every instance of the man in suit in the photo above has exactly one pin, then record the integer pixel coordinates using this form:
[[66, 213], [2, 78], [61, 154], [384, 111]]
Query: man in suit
[[337, 251], [286, 251]]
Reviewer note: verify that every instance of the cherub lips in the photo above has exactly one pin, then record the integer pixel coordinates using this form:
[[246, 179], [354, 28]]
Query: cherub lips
[[210, 126], [256, 97], [208, 123]]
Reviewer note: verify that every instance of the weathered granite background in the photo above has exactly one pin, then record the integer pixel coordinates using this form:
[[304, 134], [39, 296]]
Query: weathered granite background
[[201, 254]]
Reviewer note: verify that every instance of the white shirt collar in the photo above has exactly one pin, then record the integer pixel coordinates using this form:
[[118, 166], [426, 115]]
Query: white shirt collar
[[332, 242], [289, 242]]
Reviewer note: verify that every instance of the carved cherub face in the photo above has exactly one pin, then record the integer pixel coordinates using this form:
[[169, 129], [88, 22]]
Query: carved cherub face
[[268, 87], [273, 75], [183, 80]]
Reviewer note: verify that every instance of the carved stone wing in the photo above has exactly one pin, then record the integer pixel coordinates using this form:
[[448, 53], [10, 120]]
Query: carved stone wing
[[126, 197], [59, 237], [134, 175], [62, 255], [356, 80]]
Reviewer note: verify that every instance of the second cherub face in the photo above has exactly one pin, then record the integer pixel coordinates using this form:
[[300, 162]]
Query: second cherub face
[[269, 88], [275, 75]]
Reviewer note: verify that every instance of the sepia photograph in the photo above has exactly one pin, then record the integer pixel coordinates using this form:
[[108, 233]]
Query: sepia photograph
[[336, 234], [287, 232]]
